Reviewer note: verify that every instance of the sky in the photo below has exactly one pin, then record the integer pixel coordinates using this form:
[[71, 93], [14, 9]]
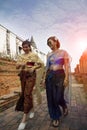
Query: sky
[[65, 19]]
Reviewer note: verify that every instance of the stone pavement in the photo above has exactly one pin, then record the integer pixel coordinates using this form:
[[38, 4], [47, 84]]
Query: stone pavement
[[76, 119]]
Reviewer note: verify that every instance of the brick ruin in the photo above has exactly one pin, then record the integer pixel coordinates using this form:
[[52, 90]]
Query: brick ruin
[[9, 80], [81, 70]]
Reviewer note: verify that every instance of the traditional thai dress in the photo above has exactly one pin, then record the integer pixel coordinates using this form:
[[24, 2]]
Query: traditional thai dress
[[55, 84], [28, 79]]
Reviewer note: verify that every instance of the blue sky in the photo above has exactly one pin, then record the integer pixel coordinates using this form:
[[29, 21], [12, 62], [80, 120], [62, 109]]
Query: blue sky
[[66, 19]]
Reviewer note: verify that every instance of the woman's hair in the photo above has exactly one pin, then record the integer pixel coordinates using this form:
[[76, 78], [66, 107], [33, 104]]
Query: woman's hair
[[53, 38], [28, 43]]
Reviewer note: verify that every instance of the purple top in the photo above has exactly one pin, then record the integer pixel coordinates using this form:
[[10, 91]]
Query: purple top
[[56, 58]]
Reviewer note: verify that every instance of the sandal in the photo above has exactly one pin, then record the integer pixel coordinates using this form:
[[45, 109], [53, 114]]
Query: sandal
[[22, 126], [65, 112], [55, 123]]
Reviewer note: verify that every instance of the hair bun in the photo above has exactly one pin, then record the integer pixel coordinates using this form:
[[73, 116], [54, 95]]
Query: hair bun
[[55, 38]]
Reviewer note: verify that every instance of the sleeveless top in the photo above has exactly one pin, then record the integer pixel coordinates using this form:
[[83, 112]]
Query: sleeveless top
[[56, 58]]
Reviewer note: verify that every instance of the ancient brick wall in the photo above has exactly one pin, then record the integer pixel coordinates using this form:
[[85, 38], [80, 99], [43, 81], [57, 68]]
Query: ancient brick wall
[[9, 80], [82, 73]]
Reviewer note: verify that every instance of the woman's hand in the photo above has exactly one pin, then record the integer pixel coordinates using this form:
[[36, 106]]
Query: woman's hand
[[66, 82], [43, 84], [31, 69], [18, 66]]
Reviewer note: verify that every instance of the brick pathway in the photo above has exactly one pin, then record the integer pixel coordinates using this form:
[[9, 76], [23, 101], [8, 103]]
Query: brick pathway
[[76, 119]]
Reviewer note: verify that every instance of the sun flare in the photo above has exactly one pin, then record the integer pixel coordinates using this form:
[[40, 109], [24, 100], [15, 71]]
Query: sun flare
[[82, 44]]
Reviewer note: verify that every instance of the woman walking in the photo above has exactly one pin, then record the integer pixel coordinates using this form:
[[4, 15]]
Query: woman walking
[[27, 63], [56, 80]]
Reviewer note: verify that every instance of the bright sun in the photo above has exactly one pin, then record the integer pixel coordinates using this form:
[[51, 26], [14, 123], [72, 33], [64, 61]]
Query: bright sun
[[82, 44]]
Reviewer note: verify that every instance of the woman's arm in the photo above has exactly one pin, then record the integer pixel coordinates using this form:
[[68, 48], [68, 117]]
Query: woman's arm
[[66, 68], [19, 63], [38, 64]]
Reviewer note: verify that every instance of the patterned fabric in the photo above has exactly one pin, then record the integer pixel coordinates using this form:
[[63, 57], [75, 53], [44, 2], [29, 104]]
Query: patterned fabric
[[31, 57], [25, 102], [28, 79], [20, 104], [57, 58], [55, 92]]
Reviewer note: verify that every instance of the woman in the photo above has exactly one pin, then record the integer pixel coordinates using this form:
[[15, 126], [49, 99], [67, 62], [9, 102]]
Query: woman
[[27, 63], [56, 79]]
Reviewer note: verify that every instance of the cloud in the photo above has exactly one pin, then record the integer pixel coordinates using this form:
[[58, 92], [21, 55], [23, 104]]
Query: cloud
[[66, 19]]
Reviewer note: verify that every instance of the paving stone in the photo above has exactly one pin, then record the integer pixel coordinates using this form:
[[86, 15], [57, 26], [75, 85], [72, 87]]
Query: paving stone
[[76, 119]]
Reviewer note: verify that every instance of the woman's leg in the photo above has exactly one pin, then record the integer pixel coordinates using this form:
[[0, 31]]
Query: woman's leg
[[24, 118], [53, 105], [62, 101], [28, 100], [31, 113], [59, 91]]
